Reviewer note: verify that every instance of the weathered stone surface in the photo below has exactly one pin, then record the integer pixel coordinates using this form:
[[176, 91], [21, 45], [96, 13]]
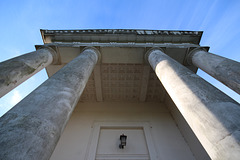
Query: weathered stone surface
[[225, 70], [16, 70], [30, 130], [212, 115]]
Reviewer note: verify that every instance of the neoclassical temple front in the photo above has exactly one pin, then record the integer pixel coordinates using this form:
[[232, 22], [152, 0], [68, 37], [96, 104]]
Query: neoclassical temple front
[[107, 84]]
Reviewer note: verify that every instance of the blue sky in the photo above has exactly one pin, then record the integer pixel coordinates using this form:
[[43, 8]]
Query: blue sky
[[22, 20]]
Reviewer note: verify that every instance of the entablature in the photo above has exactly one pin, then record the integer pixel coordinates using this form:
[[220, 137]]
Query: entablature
[[121, 35]]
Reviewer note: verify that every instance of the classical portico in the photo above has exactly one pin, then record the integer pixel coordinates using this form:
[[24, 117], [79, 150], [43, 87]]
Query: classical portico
[[103, 83]]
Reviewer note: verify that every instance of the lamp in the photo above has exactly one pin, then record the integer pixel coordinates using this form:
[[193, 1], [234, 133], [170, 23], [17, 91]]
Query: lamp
[[123, 139]]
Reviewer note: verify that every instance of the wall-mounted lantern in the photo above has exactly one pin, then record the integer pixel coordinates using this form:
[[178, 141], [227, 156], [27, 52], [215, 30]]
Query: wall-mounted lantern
[[123, 140]]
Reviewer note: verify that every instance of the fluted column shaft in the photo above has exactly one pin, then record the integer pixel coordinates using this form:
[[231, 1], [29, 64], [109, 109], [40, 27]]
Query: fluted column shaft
[[212, 115], [33, 127], [16, 70], [223, 69]]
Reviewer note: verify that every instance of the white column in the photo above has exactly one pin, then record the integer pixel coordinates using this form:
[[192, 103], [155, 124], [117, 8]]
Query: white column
[[212, 115], [225, 70], [31, 130], [16, 70]]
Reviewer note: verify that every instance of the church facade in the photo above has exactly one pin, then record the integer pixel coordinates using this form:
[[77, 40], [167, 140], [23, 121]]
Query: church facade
[[118, 94]]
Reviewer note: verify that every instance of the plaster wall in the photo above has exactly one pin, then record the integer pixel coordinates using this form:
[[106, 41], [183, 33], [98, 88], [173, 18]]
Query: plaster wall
[[167, 140]]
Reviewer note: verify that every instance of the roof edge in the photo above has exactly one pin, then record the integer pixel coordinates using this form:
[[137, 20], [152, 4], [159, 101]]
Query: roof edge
[[122, 31]]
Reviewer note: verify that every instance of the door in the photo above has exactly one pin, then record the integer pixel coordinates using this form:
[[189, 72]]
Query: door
[[109, 141]]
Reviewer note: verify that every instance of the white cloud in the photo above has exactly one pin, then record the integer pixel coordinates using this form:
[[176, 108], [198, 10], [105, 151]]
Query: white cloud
[[16, 97]]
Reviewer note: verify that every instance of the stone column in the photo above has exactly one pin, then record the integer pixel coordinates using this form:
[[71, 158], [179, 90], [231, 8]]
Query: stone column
[[225, 70], [212, 115], [16, 70], [33, 127]]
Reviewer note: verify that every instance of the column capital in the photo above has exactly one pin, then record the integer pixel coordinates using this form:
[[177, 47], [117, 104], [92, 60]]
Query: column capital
[[191, 51], [53, 50], [95, 50], [150, 51]]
